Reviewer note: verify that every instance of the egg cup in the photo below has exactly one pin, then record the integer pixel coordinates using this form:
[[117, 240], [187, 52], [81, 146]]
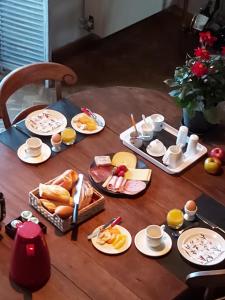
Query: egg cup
[[56, 147], [190, 214]]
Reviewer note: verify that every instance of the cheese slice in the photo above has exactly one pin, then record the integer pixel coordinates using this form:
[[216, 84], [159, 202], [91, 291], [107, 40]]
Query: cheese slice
[[138, 174], [124, 158]]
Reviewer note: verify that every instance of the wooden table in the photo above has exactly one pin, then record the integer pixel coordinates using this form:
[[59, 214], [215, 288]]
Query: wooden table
[[79, 271]]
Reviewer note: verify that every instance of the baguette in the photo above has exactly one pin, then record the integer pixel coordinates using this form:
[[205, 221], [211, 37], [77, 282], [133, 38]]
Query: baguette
[[50, 206], [67, 179], [54, 193]]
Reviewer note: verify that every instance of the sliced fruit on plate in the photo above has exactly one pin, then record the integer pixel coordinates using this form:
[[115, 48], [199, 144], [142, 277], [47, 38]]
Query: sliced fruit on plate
[[124, 158], [121, 242]]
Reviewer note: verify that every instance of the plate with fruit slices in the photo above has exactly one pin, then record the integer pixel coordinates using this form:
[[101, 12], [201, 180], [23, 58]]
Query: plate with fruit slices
[[120, 174], [88, 125], [113, 240]]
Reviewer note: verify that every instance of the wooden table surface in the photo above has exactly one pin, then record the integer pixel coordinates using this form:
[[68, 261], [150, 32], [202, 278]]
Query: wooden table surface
[[79, 271]]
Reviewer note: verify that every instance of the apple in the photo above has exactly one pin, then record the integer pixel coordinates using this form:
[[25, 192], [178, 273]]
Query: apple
[[218, 153], [212, 165]]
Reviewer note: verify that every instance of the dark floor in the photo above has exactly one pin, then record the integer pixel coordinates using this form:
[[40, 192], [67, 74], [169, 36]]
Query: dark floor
[[142, 55]]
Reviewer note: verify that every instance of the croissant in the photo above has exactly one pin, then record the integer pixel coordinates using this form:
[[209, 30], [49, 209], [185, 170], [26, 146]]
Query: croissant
[[54, 192], [67, 179]]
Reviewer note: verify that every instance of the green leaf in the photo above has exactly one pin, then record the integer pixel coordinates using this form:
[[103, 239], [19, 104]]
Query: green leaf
[[175, 93], [171, 82]]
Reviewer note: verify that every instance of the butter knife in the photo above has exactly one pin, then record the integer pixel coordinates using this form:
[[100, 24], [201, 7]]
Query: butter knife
[[76, 200], [111, 223], [209, 223]]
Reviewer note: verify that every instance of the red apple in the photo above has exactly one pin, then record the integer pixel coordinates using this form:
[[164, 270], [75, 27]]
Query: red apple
[[212, 165], [218, 153]]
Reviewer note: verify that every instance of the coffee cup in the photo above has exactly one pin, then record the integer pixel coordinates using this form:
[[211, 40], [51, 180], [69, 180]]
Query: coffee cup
[[158, 121], [173, 156], [154, 235], [156, 148], [33, 146], [147, 131]]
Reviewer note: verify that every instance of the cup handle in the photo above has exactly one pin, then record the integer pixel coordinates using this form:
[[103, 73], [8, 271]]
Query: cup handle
[[163, 227], [165, 158]]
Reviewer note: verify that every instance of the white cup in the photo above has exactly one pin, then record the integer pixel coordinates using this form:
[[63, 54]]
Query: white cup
[[158, 121], [33, 146], [147, 131], [173, 156], [154, 235]]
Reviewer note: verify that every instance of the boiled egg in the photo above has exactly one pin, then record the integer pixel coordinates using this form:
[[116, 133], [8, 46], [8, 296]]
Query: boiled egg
[[56, 138], [191, 205]]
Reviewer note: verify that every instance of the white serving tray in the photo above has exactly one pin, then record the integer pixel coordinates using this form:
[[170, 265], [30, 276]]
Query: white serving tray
[[187, 160]]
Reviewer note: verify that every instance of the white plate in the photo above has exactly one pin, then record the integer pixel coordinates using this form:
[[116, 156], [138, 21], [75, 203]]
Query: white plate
[[78, 129], [43, 127], [211, 235], [148, 150], [45, 154], [108, 248], [141, 244]]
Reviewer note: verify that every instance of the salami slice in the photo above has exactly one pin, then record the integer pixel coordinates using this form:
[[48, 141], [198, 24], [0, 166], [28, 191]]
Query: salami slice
[[133, 187], [100, 173]]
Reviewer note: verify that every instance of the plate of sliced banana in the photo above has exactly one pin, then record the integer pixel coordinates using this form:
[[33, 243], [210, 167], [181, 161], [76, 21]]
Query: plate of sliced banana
[[113, 240]]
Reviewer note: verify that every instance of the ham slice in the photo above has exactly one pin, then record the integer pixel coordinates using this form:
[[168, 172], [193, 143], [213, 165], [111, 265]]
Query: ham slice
[[112, 184], [100, 173], [133, 187]]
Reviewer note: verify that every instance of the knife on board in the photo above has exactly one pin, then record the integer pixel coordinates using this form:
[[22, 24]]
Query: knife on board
[[76, 200], [210, 223]]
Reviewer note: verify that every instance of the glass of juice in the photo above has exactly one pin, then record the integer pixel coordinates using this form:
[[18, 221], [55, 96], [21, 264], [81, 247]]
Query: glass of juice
[[175, 218], [68, 136]]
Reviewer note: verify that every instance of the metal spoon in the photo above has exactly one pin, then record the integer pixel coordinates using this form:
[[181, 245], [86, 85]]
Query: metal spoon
[[176, 234]]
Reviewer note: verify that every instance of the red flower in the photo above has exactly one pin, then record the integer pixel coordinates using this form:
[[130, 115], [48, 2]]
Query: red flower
[[223, 50], [199, 69], [202, 52], [207, 38]]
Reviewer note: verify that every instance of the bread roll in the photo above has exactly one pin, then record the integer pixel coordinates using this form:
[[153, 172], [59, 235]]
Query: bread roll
[[50, 206], [64, 211], [67, 179], [54, 192]]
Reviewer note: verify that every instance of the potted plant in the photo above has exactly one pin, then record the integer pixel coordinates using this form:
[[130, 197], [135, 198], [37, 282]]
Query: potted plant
[[199, 85]]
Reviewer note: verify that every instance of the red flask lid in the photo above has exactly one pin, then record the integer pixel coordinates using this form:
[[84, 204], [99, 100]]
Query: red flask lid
[[29, 230]]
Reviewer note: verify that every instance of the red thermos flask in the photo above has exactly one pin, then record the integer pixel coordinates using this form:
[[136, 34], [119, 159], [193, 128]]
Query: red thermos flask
[[30, 264]]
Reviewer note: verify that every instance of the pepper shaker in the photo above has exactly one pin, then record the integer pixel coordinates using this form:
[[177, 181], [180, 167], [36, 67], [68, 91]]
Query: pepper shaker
[[192, 145]]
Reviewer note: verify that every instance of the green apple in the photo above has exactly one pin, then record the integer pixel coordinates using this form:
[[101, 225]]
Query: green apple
[[212, 165]]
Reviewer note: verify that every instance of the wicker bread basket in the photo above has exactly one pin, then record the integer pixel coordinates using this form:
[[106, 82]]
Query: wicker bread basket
[[64, 225]]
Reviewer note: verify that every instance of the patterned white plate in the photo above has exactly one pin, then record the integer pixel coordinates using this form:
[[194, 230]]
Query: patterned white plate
[[45, 122], [198, 244]]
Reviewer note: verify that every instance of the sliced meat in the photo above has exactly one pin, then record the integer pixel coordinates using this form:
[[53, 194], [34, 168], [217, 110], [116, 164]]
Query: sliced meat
[[100, 173], [112, 184], [133, 187]]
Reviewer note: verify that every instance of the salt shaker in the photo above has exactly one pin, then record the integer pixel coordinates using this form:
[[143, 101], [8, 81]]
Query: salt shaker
[[192, 145], [182, 136]]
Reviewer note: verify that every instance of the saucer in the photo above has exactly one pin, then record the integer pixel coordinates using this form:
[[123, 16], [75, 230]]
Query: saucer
[[45, 154], [148, 150], [141, 244]]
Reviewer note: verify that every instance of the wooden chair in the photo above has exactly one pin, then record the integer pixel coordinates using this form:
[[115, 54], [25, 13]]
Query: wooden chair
[[212, 281], [28, 74]]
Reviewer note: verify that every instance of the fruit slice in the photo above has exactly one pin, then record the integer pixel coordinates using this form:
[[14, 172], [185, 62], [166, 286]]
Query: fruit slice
[[121, 242]]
